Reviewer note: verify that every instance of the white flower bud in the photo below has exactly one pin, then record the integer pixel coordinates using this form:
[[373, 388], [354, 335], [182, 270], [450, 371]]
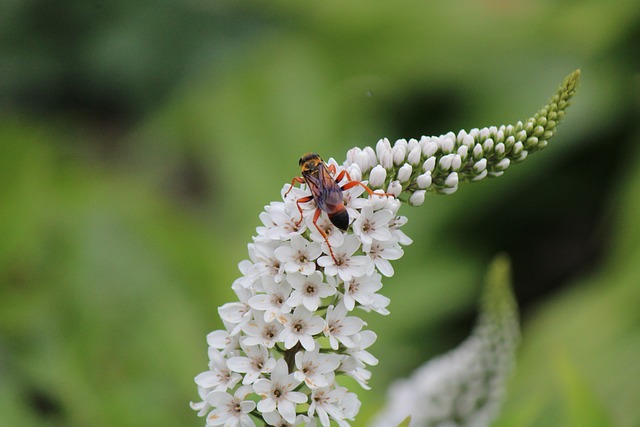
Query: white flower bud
[[424, 180], [480, 166], [414, 155], [517, 148], [363, 161], [386, 160], [429, 147], [352, 154], [532, 142], [484, 133], [448, 191], [503, 164], [499, 150], [429, 164], [521, 136], [395, 188], [413, 143], [509, 142], [355, 172], [488, 145], [452, 180], [445, 162], [480, 177], [447, 144], [456, 163], [528, 127], [417, 198], [404, 173], [477, 151], [401, 142], [373, 160], [468, 141], [462, 151], [382, 146], [377, 176], [399, 154]]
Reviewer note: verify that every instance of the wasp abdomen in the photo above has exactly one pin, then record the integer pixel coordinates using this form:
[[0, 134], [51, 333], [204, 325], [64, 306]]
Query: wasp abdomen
[[340, 219]]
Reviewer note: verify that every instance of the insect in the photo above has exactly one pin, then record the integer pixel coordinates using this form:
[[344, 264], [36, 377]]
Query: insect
[[326, 191]]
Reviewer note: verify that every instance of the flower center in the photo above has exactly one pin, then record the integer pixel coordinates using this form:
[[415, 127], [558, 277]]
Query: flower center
[[310, 290]]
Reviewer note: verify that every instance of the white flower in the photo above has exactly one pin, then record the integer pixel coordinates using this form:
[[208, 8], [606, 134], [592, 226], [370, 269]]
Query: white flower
[[328, 403], [362, 341], [264, 258], [260, 332], [334, 235], [353, 368], [273, 302], [381, 252], [340, 328], [398, 235], [223, 340], [300, 327], [316, 369], [346, 264], [237, 313], [308, 291], [256, 363], [361, 290], [300, 256], [282, 223], [373, 225], [275, 419], [231, 411], [277, 393], [219, 377]]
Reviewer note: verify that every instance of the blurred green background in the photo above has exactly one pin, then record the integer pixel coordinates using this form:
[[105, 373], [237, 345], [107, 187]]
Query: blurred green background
[[140, 140]]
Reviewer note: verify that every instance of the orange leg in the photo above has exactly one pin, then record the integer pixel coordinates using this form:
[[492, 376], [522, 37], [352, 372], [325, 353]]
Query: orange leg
[[322, 233], [298, 179], [303, 200], [353, 183]]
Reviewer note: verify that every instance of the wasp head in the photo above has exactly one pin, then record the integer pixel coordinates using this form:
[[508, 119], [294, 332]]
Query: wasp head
[[309, 162]]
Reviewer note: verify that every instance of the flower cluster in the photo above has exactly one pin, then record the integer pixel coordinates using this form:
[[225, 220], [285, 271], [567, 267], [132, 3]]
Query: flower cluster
[[294, 330], [438, 164], [463, 387]]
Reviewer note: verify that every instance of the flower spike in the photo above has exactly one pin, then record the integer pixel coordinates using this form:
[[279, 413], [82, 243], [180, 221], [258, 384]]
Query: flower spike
[[321, 254]]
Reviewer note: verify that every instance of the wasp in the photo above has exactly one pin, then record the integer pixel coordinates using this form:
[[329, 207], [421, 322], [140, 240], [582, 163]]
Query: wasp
[[326, 191]]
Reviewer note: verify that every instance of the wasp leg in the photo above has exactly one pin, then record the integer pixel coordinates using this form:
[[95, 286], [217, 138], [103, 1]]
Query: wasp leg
[[302, 200], [353, 183], [298, 179], [323, 234]]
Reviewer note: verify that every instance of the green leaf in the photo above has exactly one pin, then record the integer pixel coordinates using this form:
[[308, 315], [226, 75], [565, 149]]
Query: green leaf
[[583, 407]]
